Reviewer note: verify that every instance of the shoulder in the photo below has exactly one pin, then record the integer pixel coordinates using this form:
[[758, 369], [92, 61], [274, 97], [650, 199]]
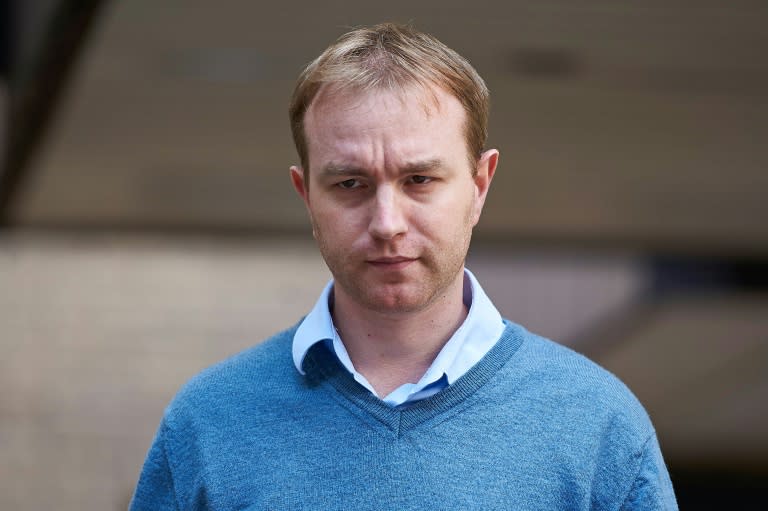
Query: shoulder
[[258, 371], [579, 387]]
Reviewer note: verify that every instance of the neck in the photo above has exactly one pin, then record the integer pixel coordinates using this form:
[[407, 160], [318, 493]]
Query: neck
[[391, 349]]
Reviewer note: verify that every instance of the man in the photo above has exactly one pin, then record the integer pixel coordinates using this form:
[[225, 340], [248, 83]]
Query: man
[[403, 388]]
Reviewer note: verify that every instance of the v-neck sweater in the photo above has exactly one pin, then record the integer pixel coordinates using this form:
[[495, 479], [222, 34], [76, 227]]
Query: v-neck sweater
[[533, 425], [323, 367]]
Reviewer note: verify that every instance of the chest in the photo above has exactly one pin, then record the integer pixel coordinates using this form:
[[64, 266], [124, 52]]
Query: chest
[[466, 463]]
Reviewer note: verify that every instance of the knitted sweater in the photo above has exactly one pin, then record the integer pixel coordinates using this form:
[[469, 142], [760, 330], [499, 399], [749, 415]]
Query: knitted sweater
[[532, 426]]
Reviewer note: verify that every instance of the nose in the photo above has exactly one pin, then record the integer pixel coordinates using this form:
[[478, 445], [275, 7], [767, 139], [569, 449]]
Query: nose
[[388, 219]]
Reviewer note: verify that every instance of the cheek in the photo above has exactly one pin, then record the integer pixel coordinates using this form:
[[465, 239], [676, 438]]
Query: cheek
[[455, 210], [336, 225]]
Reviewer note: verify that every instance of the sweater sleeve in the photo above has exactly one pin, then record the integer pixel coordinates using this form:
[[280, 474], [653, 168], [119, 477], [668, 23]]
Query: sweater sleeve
[[652, 488], [155, 489]]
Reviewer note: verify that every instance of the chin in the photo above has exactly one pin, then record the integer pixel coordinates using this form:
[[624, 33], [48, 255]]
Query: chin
[[396, 303]]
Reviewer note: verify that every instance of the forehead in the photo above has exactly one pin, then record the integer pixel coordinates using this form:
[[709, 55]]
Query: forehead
[[402, 121]]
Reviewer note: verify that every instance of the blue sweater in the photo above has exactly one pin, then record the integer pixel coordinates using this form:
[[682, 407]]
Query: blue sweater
[[532, 426]]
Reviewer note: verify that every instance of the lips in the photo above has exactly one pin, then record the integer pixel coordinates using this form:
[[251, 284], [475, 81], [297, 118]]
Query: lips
[[391, 263]]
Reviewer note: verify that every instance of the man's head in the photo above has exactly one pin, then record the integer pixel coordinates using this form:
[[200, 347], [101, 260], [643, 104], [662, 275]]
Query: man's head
[[393, 58], [395, 191]]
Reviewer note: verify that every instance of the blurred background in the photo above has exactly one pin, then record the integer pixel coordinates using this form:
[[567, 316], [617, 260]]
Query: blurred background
[[149, 228]]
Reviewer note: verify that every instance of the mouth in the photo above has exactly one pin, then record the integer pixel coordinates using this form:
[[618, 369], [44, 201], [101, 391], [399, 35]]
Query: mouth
[[391, 263]]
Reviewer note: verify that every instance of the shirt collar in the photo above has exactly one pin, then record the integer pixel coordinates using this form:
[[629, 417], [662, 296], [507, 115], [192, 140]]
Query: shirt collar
[[316, 327], [473, 339]]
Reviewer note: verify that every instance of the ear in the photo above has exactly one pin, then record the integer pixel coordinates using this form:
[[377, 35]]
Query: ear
[[297, 178], [486, 168], [302, 188]]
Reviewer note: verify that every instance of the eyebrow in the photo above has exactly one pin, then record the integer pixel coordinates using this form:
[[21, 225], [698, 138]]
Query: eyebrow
[[339, 169], [422, 166]]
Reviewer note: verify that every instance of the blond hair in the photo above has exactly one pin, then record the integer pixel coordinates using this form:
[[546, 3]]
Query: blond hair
[[392, 57]]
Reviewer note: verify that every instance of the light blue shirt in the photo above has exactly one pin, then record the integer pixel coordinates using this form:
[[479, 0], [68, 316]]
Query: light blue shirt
[[472, 340]]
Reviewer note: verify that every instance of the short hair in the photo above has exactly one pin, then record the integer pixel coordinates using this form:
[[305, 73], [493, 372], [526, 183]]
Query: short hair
[[392, 57]]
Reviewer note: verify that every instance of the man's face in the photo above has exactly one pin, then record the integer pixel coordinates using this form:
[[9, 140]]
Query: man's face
[[391, 196]]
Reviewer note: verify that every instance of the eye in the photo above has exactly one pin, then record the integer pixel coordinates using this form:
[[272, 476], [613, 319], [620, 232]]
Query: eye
[[420, 180], [348, 184]]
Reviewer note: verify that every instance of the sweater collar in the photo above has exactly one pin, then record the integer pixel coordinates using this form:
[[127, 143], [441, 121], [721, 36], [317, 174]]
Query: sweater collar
[[323, 368]]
